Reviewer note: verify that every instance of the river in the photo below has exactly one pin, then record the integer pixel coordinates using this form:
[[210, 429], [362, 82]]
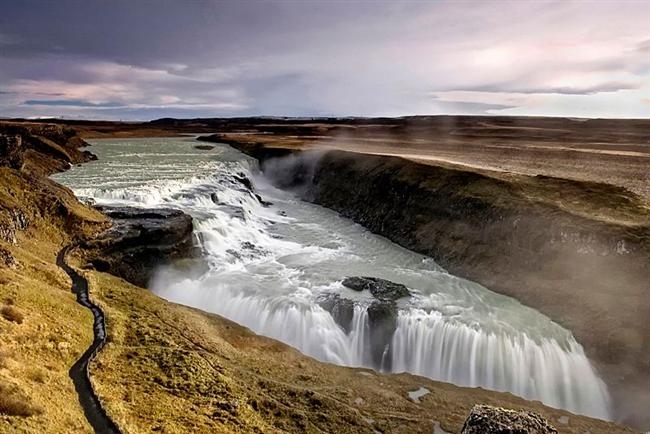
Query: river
[[272, 268]]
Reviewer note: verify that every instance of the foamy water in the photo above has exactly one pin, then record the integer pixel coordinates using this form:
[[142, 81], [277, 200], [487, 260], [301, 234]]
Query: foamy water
[[269, 267]]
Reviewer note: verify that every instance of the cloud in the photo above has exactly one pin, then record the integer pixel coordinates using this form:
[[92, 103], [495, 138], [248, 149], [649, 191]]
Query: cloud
[[576, 89], [358, 58], [70, 103]]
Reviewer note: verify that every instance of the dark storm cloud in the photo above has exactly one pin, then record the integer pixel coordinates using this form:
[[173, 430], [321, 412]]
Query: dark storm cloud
[[148, 32], [146, 58]]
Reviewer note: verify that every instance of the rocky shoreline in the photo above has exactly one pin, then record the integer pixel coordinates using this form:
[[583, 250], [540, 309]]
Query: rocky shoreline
[[507, 236]]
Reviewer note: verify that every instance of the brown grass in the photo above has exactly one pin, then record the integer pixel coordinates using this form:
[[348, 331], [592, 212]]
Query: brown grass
[[5, 356], [10, 313], [36, 374], [13, 402]]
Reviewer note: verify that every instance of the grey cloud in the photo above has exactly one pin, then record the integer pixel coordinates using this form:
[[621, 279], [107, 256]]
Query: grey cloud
[[71, 103], [146, 58], [454, 107], [644, 47], [610, 86]]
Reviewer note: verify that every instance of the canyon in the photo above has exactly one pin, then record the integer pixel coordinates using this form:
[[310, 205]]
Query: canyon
[[513, 234]]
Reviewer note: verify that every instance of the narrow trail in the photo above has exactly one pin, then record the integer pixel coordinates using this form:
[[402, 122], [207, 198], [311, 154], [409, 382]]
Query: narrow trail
[[95, 413]]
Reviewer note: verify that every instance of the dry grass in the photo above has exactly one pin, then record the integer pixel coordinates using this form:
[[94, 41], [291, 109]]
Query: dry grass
[[11, 313], [13, 402], [36, 374]]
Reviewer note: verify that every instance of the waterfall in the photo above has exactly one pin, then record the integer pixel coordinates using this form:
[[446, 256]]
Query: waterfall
[[267, 266], [556, 373]]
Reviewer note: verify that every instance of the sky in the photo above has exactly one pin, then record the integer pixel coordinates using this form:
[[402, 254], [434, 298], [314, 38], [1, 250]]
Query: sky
[[146, 59]]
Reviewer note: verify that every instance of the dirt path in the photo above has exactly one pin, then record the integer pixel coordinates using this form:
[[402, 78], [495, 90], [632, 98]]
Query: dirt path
[[95, 413]]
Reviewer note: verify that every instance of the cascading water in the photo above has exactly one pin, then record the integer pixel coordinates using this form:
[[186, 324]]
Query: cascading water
[[269, 267]]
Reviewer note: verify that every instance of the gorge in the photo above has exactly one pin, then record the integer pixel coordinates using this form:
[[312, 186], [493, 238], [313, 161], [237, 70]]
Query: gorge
[[272, 265]]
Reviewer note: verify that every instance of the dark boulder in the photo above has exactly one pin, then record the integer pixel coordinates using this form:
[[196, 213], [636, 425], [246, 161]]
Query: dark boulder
[[485, 419], [262, 202], [382, 314], [381, 289], [139, 241], [341, 309], [243, 180], [204, 147], [382, 322]]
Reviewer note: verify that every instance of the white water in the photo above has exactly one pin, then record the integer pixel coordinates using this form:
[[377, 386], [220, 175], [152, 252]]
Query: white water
[[268, 268]]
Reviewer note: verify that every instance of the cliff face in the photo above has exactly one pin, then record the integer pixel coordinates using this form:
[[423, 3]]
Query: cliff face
[[41, 148], [576, 251], [29, 201]]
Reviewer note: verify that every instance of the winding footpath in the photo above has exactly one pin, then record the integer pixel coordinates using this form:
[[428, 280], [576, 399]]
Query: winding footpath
[[95, 413]]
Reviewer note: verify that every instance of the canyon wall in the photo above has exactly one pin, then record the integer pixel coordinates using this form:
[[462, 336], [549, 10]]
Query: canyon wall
[[576, 251]]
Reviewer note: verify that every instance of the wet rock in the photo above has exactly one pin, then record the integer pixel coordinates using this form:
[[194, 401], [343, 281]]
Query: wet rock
[[341, 309], [381, 289], [234, 211], [214, 197], [264, 203], [204, 147], [139, 241], [382, 322], [243, 180], [485, 419], [247, 251]]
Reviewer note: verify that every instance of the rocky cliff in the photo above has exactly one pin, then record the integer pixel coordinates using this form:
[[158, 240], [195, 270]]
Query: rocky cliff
[[577, 251]]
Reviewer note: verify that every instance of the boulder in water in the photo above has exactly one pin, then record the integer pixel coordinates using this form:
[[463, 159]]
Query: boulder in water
[[341, 309], [382, 322], [262, 202], [485, 419], [381, 289], [204, 147], [243, 180]]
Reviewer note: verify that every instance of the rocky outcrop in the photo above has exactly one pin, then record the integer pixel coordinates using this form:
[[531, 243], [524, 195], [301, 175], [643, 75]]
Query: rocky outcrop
[[139, 241], [11, 151], [485, 419], [7, 259], [29, 201], [341, 309], [382, 314], [381, 289], [41, 148]]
